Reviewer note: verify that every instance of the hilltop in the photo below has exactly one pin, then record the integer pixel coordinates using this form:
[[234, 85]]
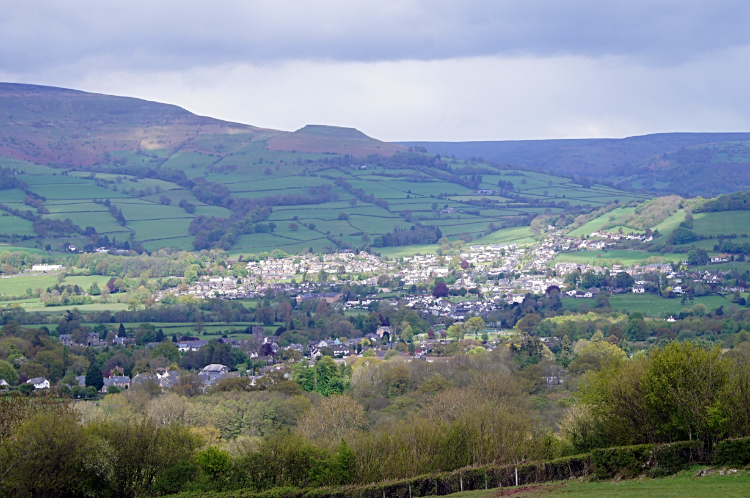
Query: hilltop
[[129, 173], [650, 161], [69, 128]]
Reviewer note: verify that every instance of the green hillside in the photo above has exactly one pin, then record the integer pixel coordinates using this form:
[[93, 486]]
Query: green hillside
[[154, 175]]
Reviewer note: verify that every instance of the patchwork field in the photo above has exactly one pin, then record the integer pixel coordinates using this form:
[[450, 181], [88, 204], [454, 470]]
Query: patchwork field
[[298, 185]]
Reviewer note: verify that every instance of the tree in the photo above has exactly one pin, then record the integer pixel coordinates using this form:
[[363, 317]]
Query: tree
[[457, 331], [475, 325], [293, 227], [8, 373], [322, 309], [328, 380], [94, 289], [636, 329], [168, 350], [335, 418], [265, 315], [285, 311], [121, 331], [94, 377], [440, 290]]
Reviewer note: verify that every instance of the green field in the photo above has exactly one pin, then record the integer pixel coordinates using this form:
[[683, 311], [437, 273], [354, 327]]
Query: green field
[[624, 256], [681, 485], [617, 216], [722, 223], [657, 306], [31, 250], [244, 163], [15, 286], [15, 225]]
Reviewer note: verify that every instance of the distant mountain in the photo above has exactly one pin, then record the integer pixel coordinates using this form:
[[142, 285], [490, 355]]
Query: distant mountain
[[57, 126], [614, 159]]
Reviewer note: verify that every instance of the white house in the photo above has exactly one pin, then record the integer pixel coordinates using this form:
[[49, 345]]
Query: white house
[[216, 369], [638, 289], [39, 383], [46, 268]]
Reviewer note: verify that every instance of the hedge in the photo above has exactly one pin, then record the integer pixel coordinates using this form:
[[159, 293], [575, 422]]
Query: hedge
[[470, 478], [628, 461], [653, 460], [733, 452]]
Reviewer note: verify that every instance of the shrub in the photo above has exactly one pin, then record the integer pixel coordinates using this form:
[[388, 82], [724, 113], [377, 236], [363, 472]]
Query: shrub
[[733, 452], [653, 460]]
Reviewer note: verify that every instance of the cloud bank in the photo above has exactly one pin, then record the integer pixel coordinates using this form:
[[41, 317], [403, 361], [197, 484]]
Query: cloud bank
[[403, 70]]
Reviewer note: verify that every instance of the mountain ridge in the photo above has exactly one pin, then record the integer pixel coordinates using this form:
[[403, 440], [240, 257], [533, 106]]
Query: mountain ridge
[[65, 127]]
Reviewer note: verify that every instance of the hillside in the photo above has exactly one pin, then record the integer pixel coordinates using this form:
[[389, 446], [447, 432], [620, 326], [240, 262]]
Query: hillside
[[63, 127], [618, 160], [153, 175], [707, 170]]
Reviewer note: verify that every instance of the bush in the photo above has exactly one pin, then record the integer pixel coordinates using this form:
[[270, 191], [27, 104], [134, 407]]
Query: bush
[[733, 452], [652, 460]]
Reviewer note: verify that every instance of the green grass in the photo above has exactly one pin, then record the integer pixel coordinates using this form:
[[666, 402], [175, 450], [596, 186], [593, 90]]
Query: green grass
[[668, 226], [655, 306], [722, 223], [15, 225], [516, 235], [681, 485], [17, 285], [624, 256], [30, 250], [619, 215]]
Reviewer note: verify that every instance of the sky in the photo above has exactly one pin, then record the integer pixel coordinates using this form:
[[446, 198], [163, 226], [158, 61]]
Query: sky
[[403, 70]]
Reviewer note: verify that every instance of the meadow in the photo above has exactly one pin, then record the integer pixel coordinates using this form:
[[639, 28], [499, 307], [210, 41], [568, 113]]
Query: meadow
[[249, 168], [624, 256], [682, 485], [722, 223], [657, 306]]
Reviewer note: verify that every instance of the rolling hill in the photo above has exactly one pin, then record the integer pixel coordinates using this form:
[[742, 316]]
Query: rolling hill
[[651, 161], [89, 169]]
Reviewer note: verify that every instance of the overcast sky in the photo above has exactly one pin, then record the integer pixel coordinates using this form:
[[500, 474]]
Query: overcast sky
[[403, 70]]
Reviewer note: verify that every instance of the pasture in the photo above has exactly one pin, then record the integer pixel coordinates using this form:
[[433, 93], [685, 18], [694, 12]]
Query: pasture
[[657, 306], [682, 485], [722, 223], [249, 169], [619, 256]]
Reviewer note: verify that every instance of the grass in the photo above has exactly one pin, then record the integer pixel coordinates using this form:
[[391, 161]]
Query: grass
[[16, 286], [10, 248], [624, 256], [257, 171], [682, 485], [619, 215], [657, 306], [15, 225], [722, 223]]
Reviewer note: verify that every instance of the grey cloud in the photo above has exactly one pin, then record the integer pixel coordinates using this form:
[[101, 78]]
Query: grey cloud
[[175, 35]]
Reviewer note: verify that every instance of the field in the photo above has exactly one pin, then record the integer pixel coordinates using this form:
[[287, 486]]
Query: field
[[251, 167], [656, 306], [517, 235], [616, 216], [682, 485], [722, 223], [624, 256]]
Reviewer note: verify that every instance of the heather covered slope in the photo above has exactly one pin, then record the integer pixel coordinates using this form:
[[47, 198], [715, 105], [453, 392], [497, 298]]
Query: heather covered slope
[[56, 126], [69, 128]]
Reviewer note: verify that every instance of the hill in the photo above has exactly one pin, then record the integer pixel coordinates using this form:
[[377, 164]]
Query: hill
[[707, 169], [631, 160], [81, 168]]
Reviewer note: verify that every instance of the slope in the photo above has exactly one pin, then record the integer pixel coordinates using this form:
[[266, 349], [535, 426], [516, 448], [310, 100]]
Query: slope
[[597, 158]]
